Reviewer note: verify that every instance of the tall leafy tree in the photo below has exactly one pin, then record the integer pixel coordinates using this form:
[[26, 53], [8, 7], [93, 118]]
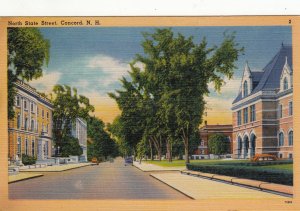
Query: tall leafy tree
[[68, 106], [103, 145], [180, 70], [28, 52], [218, 144]]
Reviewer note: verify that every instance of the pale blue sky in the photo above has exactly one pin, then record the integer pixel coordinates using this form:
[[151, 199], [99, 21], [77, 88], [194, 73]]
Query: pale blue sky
[[92, 59]]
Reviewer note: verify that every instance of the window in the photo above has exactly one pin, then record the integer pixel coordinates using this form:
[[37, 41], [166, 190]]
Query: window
[[239, 117], [26, 124], [291, 108], [245, 115], [291, 137], [18, 121], [47, 115], [202, 143], [31, 105], [281, 139], [32, 148], [25, 104], [245, 88], [19, 146], [290, 156], [18, 101], [26, 147], [32, 125], [43, 129], [280, 111], [280, 155], [285, 84], [252, 113], [43, 113]]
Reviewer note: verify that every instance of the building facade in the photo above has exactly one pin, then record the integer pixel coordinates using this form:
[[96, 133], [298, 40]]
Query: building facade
[[263, 109], [206, 131], [30, 131], [79, 131]]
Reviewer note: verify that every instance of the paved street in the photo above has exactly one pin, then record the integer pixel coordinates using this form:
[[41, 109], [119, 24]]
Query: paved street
[[106, 181]]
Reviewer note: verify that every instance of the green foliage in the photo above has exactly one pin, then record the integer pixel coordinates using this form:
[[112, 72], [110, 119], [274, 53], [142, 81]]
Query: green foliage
[[102, 144], [218, 144], [164, 101], [255, 173], [67, 107], [28, 160], [70, 146], [28, 51]]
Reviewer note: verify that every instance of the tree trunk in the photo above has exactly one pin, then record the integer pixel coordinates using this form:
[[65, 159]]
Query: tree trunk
[[186, 150], [169, 154], [151, 150]]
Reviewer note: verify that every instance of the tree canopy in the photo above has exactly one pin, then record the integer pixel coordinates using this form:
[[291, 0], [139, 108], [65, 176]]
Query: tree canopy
[[67, 106], [28, 52], [164, 100], [218, 144]]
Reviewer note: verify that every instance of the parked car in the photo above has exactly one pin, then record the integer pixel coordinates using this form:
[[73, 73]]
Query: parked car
[[128, 160], [95, 160]]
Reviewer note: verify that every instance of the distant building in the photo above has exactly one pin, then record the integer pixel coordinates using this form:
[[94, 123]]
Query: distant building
[[263, 109], [206, 131], [30, 131], [79, 131]]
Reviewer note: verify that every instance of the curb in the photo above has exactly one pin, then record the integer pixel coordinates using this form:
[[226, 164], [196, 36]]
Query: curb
[[173, 187], [274, 191], [9, 182], [58, 170], [163, 170]]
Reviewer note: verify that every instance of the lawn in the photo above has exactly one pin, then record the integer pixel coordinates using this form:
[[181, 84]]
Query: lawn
[[176, 163], [288, 167]]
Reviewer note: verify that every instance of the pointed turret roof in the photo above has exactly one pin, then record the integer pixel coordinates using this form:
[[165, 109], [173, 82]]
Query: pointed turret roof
[[269, 78]]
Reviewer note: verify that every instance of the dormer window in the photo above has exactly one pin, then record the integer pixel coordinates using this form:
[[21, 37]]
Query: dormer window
[[285, 84], [245, 88]]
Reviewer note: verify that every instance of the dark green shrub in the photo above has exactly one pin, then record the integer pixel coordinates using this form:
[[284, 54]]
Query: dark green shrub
[[28, 160], [256, 173]]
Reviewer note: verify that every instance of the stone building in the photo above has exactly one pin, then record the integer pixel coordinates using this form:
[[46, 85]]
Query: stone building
[[263, 109], [30, 131], [79, 131], [206, 131]]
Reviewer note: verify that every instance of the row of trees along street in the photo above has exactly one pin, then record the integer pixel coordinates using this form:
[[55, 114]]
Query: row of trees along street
[[162, 100], [28, 54]]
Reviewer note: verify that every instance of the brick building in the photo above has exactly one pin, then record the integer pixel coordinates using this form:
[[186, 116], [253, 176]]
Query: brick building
[[30, 132], [263, 109], [206, 131]]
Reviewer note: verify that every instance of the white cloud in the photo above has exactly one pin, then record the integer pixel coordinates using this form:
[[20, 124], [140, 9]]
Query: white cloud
[[80, 84], [113, 68], [46, 82]]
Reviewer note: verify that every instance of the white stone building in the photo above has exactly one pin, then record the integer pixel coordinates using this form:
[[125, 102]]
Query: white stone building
[[79, 131]]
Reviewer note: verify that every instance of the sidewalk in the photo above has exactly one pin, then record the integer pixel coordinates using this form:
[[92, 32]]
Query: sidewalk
[[57, 168], [151, 167], [22, 176], [200, 188]]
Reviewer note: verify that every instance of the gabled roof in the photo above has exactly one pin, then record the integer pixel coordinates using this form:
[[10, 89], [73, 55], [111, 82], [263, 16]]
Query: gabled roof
[[269, 77]]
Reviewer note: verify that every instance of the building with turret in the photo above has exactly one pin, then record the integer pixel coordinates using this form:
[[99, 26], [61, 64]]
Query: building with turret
[[263, 109]]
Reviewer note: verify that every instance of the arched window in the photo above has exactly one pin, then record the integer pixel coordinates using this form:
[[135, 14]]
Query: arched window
[[245, 86], [285, 84], [281, 139], [291, 134], [32, 125], [32, 148], [19, 121]]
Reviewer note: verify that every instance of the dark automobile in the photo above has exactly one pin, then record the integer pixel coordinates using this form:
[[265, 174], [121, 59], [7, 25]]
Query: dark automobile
[[128, 160]]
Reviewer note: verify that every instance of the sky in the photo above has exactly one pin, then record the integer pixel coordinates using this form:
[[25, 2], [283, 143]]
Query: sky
[[94, 59]]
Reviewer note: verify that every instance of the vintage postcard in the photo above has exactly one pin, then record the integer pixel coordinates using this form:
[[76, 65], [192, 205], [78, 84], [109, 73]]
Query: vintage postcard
[[150, 113]]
